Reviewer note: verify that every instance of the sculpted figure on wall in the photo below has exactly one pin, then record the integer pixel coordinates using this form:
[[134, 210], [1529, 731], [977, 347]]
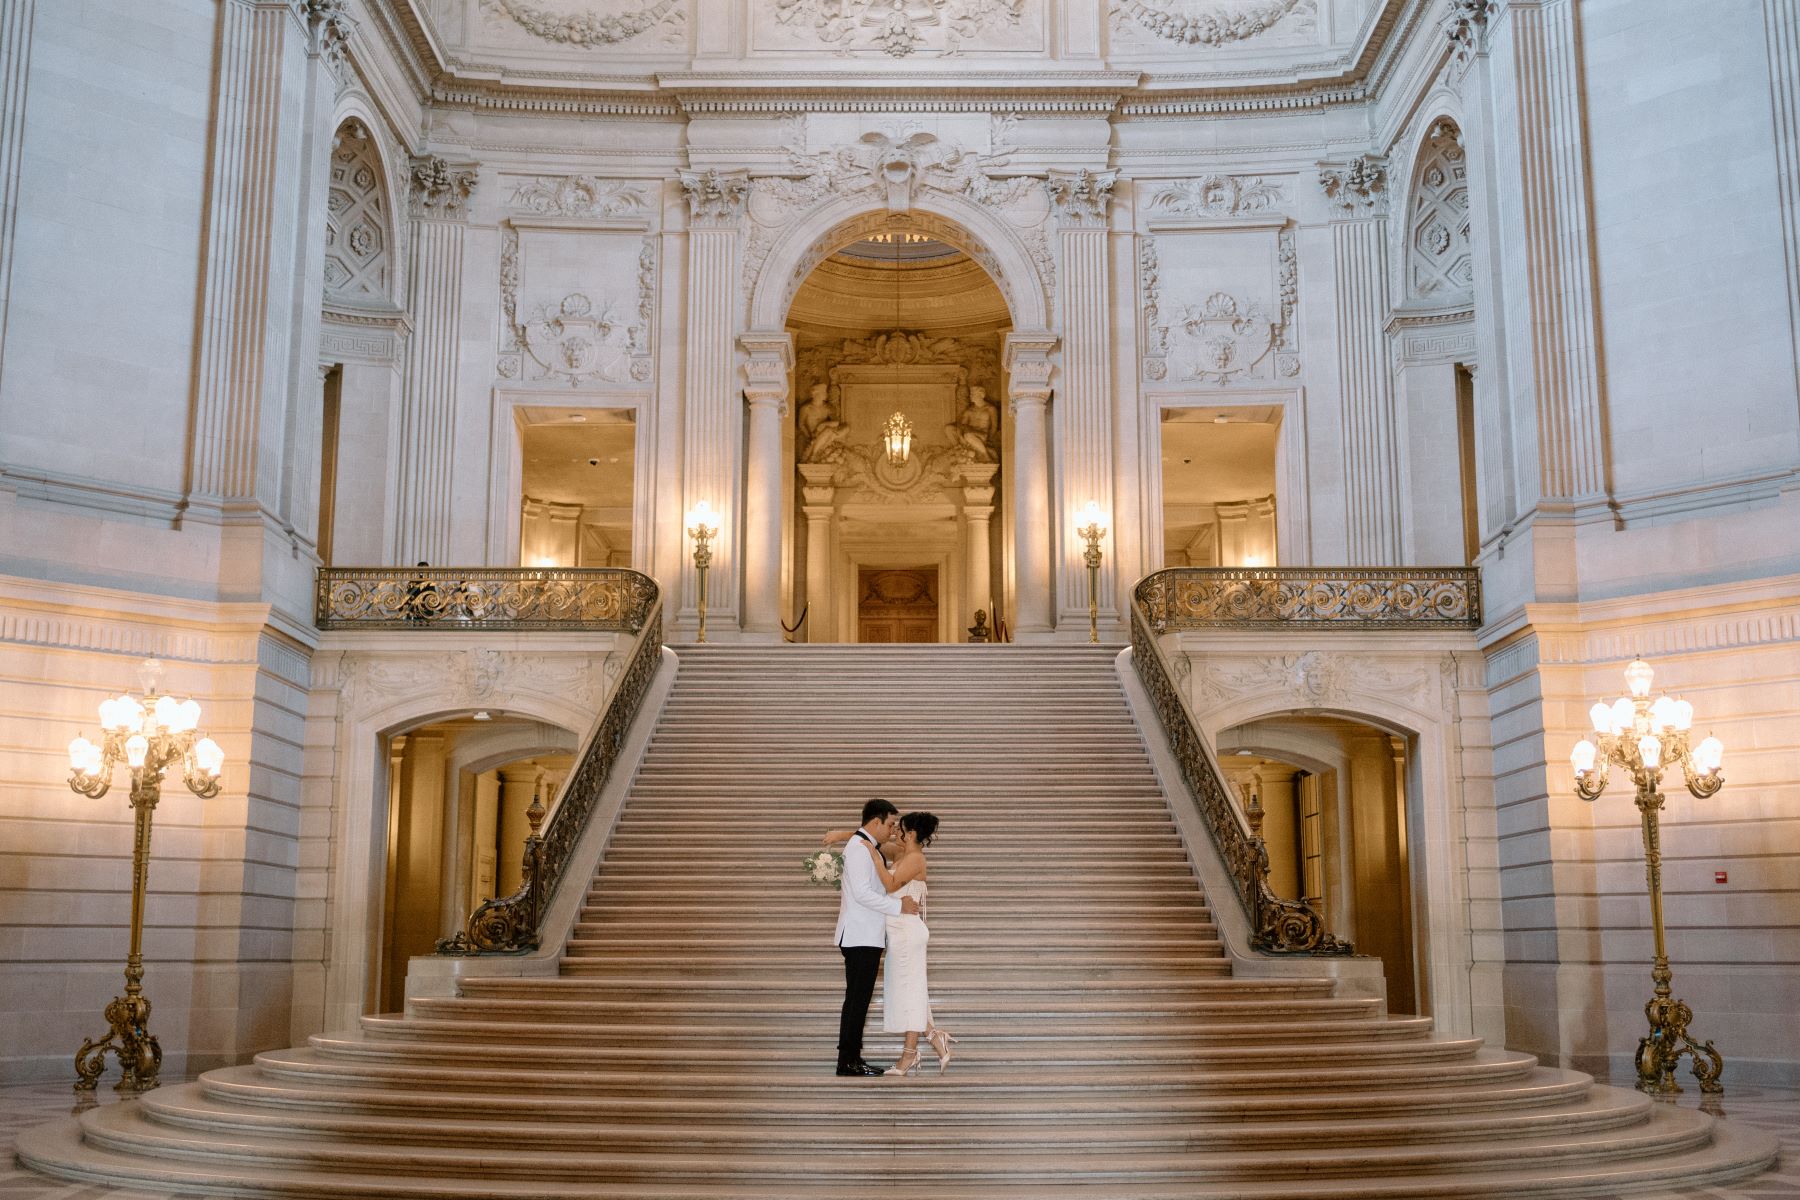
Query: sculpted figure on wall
[[975, 426], [821, 433]]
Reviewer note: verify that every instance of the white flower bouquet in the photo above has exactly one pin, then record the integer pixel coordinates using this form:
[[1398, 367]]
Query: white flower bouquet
[[825, 866]]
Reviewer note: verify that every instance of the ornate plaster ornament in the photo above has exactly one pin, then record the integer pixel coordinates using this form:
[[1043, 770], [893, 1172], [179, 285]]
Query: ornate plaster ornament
[[1467, 23], [1226, 338], [1217, 24], [579, 196], [358, 264], [1358, 187], [589, 28], [1219, 196], [897, 27], [579, 338], [1220, 338], [1082, 197], [1155, 334], [899, 347], [1439, 258], [331, 26], [439, 190], [716, 197]]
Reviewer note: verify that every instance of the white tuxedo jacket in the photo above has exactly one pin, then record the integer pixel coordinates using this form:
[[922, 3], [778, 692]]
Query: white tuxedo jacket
[[865, 905]]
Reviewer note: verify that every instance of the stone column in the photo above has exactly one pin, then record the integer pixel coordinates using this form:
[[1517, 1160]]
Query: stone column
[[766, 393], [819, 493], [1028, 394], [1084, 409], [713, 414], [518, 787], [439, 194], [1357, 191], [978, 509]]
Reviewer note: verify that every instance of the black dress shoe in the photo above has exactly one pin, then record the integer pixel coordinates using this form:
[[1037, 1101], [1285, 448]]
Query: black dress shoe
[[858, 1069]]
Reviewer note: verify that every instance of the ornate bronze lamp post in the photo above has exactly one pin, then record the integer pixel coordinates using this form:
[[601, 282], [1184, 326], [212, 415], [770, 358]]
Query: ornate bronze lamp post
[[1091, 533], [702, 526], [1645, 738], [149, 736]]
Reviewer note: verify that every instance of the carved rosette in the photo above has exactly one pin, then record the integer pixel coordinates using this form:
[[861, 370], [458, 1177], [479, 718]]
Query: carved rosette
[[1357, 188], [439, 190]]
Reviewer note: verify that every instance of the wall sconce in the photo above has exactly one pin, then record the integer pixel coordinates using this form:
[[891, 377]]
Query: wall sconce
[[702, 526]]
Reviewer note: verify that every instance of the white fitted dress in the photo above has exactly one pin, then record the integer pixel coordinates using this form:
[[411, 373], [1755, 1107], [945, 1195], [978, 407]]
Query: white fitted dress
[[905, 998]]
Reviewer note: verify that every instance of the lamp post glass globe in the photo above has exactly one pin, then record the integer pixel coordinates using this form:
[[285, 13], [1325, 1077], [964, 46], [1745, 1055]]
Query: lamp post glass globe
[[1645, 738], [147, 736]]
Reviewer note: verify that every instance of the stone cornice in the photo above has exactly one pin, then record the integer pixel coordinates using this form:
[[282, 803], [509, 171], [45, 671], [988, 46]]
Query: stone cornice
[[1125, 92]]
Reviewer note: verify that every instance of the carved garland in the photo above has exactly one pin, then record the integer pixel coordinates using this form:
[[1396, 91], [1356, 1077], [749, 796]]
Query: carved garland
[[897, 27], [588, 29], [1213, 27], [577, 338], [1228, 336]]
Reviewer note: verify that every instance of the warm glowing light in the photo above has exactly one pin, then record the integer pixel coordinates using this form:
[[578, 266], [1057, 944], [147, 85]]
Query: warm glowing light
[[896, 435], [1623, 712], [1638, 676], [209, 756], [1601, 716], [701, 516], [1091, 518], [1682, 717], [1582, 757], [81, 753], [1708, 756], [137, 746], [1650, 750], [1662, 714]]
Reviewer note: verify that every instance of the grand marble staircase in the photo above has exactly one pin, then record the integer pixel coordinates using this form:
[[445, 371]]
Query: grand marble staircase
[[686, 1048]]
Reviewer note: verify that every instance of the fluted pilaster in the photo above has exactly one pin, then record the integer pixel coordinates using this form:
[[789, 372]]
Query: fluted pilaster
[[766, 395], [439, 196], [714, 413], [245, 327], [1781, 19], [1542, 176], [1084, 410], [1357, 191], [16, 20]]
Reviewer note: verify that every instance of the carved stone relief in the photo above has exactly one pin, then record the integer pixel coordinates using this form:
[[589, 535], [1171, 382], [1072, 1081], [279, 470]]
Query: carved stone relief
[[1439, 260], [1317, 679], [1357, 188], [1219, 337], [980, 363], [891, 165], [440, 190], [1219, 196], [584, 335], [579, 196], [1215, 24], [358, 233], [901, 27], [470, 677], [584, 25]]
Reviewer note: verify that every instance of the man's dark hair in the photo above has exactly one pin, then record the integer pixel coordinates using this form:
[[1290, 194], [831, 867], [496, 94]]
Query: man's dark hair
[[878, 808]]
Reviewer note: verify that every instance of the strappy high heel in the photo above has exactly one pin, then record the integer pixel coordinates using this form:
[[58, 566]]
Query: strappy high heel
[[941, 1042], [909, 1059]]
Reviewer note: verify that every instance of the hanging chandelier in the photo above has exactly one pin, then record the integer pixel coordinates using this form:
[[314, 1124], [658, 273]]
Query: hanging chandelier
[[896, 435]]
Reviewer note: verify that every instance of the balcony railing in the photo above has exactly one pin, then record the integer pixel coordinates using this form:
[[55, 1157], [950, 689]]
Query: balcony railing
[[471, 598], [1352, 598]]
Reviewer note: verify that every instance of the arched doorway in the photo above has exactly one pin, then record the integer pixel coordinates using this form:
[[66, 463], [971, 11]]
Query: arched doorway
[[897, 441], [1339, 796]]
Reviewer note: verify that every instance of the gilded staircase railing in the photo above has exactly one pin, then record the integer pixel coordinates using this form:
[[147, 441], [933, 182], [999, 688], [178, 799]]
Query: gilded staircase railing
[[1295, 598], [469, 598]]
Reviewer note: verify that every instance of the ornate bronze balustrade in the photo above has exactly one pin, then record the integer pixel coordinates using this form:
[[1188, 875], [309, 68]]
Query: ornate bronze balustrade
[[466, 598], [1360, 598], [1277, 926], [510, 924]]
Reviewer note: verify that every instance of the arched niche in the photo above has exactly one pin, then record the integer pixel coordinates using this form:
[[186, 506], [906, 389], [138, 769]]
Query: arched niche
[[361, 259]]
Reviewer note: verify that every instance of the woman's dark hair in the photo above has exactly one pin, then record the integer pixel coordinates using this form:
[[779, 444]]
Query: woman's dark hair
[[921, 825]]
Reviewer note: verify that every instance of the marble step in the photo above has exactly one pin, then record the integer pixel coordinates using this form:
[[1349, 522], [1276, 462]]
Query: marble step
[[1192, 1013], [191, 1107], [627, 939], [1048, 1035], [1073, 1063], [683, 896], [1278, 1073], [1662, 1132], [1732, 1153], [1083, 991]]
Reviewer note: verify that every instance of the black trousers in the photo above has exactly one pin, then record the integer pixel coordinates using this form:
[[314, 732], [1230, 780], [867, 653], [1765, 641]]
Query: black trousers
[[860, 965]]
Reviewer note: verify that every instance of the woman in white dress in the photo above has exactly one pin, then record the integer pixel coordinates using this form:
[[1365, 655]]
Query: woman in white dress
[[906, 1001]]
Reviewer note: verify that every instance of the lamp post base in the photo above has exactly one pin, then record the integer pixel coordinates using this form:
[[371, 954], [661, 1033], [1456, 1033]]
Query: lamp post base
[[1661, 1051], [140, 1055]]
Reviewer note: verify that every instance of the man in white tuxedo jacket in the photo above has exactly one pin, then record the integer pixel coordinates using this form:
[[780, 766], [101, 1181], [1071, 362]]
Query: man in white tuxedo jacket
[[861, 934]]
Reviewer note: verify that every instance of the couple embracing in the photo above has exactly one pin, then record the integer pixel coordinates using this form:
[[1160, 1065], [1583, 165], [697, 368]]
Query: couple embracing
[[884, 907]]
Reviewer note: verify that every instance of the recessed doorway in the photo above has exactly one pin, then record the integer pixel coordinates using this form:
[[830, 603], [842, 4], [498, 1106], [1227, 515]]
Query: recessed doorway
[[577, 488], [897, 606], [1219, 486]]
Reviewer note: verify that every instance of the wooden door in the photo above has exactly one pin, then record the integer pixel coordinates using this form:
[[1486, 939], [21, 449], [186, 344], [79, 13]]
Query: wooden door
[[897, 605]]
